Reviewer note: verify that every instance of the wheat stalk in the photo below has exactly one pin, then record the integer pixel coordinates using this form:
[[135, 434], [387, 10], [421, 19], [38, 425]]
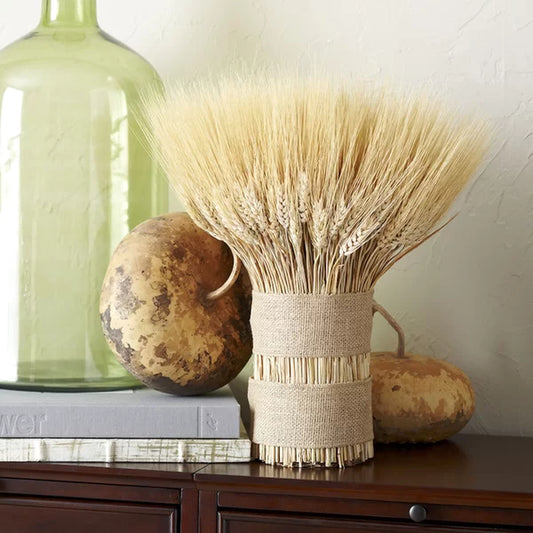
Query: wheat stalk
[[317, 188]]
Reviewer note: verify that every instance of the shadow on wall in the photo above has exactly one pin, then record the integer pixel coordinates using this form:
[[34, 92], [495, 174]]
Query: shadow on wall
[[239, 387]]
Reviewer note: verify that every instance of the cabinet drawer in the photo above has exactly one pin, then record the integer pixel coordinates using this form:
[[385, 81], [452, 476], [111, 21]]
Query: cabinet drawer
[[43, 515], [365, 509], [237, 522]]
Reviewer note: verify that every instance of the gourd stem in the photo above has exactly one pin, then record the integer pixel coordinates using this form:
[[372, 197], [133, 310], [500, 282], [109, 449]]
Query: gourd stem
[[228, 284], [392, 322]]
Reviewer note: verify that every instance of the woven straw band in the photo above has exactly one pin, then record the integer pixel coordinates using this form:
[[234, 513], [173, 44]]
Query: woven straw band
[[311, 416], [311, 325]]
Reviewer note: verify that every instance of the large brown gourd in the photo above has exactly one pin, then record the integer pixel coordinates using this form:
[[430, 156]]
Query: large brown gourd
[[157, 315]]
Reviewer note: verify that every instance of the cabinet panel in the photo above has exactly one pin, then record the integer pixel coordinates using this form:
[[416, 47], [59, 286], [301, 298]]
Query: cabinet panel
[[237, 522], [34, 515]]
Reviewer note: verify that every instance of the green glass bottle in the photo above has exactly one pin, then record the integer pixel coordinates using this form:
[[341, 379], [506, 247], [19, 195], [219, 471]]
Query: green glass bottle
[[75, 177]]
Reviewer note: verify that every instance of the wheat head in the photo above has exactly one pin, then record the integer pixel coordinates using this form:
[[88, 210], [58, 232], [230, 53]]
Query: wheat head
[[318, 188]]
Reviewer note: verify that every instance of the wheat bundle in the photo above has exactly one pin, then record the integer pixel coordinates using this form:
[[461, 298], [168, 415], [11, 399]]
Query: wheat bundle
[[319, 190]]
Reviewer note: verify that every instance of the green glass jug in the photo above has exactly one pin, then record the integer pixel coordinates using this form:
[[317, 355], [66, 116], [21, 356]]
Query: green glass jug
[[75, 176]]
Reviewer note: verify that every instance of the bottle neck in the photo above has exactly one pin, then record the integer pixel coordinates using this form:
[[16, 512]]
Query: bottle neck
[[69, 13]]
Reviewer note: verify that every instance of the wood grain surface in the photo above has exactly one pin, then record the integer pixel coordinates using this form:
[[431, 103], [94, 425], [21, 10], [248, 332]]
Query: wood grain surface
[[468, 484]]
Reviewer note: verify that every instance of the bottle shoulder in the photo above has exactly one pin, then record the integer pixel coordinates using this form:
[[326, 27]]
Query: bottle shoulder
[[74, 51]]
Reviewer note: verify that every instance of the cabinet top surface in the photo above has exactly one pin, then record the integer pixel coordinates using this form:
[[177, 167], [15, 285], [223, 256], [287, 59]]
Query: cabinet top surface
[[98, 472], [465, 463]]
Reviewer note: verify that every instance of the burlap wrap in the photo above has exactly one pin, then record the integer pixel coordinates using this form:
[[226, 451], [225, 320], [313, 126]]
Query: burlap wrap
[[311, 325], [311, 416]]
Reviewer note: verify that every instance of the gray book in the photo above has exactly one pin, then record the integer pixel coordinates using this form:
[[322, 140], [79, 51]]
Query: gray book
[[141, 413]]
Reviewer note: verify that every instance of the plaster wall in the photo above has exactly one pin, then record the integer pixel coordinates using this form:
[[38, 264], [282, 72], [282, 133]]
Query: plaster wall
[[466, 296]]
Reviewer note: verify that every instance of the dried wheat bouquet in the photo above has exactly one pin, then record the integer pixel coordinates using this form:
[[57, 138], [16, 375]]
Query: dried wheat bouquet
[[318, 189]]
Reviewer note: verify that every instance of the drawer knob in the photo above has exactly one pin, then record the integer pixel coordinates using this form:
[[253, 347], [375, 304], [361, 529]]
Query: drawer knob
[[417, 513]]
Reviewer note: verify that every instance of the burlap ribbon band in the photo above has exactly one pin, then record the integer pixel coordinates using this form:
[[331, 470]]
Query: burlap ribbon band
[[311, 325], [311, 416]]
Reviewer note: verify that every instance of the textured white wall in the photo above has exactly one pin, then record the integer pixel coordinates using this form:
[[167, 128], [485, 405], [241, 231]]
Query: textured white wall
[[467, 296]]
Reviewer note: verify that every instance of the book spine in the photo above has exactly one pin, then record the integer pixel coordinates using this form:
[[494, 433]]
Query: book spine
[[97, 421]]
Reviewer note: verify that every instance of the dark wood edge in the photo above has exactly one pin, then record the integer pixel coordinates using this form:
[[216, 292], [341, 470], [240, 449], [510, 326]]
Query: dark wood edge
[[92, 491], [401, 494], [208, 511], [110, 474], [189, 511], [75, 503]]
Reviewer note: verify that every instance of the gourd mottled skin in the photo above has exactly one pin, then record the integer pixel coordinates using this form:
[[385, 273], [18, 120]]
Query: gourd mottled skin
[[155, 314], [418, 398]]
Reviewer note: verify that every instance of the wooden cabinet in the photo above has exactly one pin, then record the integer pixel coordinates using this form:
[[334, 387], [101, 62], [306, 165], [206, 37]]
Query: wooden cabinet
[[470, 484], [95, 498]]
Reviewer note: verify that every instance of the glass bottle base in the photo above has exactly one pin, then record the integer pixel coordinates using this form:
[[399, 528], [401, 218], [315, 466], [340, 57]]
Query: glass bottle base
[[58, 375], [72, 385]]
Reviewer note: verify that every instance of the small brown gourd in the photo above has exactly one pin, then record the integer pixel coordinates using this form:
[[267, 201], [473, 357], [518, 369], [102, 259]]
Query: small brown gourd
[[416, 398]]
